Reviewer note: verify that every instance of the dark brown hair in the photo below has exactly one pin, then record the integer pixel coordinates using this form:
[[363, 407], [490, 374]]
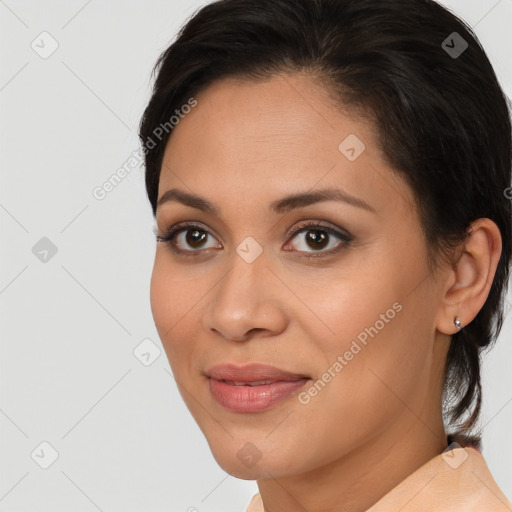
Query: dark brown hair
[[442, 119]]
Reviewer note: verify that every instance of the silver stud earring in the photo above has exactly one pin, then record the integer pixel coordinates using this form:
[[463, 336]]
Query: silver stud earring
[[457, 323]]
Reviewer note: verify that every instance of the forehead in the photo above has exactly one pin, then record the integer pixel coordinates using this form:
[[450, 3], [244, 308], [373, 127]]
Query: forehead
[[283, 135], [284, 114]]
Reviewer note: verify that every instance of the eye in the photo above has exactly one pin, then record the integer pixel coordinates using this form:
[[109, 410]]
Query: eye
[[185, 233], [318, 237]]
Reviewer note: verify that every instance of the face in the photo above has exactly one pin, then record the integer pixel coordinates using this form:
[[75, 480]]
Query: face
[[336, 291]]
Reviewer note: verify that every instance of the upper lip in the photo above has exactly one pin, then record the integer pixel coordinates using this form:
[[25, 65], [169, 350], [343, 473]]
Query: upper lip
[[251, 373]]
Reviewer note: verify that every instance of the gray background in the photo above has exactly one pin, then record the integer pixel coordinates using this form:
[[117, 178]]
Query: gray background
[[70, 324]]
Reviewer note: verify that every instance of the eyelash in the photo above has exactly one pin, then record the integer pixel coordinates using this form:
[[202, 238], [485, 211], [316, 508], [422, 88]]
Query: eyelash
[[171, 233]]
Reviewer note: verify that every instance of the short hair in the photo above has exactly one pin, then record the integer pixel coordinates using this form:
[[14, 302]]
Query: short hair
[[421, 76]]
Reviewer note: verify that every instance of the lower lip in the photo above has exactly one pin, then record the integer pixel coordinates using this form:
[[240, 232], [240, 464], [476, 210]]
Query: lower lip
[[252, 398]]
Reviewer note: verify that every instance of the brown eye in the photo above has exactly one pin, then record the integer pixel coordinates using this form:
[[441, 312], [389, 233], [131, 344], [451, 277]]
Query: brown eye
[[186, 239], [195, 238], [317, 238], [191, 240]]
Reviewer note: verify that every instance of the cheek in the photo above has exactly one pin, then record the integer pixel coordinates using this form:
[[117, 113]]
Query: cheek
[[381, 360], [379, 319], [160, 299], [171, 302]]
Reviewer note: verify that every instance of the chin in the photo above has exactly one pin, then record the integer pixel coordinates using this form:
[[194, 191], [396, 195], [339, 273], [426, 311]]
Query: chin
[[248, 462], [232, 462]]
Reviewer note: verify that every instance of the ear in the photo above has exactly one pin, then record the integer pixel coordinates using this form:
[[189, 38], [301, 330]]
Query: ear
[[471, 276]]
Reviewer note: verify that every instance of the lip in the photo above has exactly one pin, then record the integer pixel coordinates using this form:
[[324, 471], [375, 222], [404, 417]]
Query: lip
[[279, 385], [251, 373]]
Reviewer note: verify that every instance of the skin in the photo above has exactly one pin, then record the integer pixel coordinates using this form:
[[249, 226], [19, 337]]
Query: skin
[[245, 145]]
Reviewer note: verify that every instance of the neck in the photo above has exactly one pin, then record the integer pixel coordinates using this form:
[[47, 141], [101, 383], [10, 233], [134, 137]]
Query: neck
[[357, 480]]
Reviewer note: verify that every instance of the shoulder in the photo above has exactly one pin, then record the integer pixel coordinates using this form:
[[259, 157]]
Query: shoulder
[[454, 481], [255, 504], [478, 491]]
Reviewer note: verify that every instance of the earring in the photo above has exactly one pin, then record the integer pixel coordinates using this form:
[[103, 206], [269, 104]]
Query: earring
[[457, 323]]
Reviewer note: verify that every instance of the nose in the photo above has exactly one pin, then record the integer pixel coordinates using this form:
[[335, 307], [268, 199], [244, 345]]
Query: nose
[[247, 301]]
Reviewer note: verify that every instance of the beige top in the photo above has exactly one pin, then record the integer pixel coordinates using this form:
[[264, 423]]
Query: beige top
[[457, 480]]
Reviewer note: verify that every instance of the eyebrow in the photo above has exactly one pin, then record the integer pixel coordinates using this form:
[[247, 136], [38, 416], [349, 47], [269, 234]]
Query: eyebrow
[[279, 206]]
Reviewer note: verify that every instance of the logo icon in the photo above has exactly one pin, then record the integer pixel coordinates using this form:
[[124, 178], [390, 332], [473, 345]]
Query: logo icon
[[44, 455], [249, 249], [44, 250], [44, 45], [249, 455], [454, 45], [454, 455], [146, 352], [352, 147]]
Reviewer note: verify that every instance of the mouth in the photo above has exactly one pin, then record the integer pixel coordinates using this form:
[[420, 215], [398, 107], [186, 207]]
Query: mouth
[[252, 388], [247, 383], [252, 374]]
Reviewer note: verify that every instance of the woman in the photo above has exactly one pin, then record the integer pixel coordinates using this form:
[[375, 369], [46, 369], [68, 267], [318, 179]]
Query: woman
[[334, 243]]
